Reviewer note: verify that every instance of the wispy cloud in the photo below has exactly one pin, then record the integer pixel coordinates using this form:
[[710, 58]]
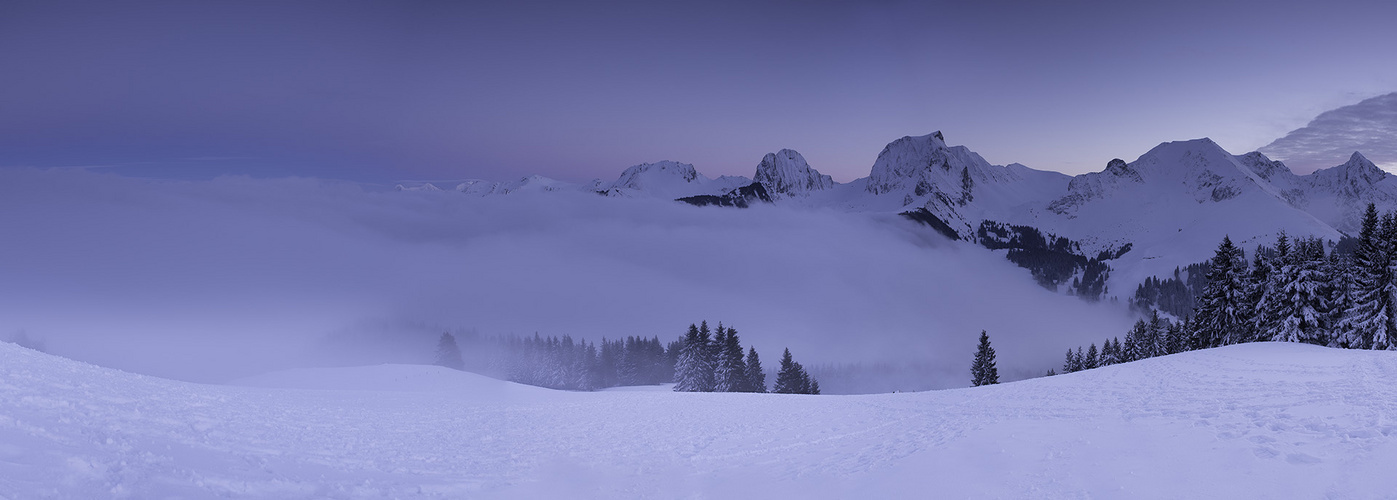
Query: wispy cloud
[[1369, 127]]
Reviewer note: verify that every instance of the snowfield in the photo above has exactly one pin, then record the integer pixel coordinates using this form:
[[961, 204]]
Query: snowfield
[[1246, 421]]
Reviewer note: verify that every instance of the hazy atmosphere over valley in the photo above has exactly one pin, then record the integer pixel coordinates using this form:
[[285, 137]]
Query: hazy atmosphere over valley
[[697, 250]]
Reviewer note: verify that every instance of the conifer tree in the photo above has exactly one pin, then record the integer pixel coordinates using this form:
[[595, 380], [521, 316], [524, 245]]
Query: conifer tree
[[983, 370], [1257, 282], [792, 379], [756, 378], [1134, 339], [1092, 360], [1221, 319], [1174, 338], [711, 354], [1339, 294], [693, 372], [1069, 364], [1150, 338], [966, 186], [1369, 323], [448, 353], [1301, 308], [731, 374]]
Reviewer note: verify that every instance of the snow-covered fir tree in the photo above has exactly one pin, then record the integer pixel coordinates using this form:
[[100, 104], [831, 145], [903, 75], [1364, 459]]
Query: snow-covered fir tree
[[1339, 294], [1257, 285], [730, 375], [1369, 322], [1151, 343], [1133, 339], [982, 369], [1221, 318], [1174, 338], [1299, 313], [693, 372]]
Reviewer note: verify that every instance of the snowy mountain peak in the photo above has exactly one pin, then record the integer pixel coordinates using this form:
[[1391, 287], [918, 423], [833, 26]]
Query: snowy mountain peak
[[426, 187], [785, 173], [670, 179], [1351, 181], [920, 164], [1207, 173], [1359, 166], [637, 176]]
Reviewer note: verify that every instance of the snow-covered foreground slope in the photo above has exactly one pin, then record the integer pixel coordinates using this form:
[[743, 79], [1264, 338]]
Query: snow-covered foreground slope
[[1247, 421]]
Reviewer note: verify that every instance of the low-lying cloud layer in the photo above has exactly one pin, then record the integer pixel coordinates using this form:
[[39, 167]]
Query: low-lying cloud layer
[[210, 280], [1369, 127]]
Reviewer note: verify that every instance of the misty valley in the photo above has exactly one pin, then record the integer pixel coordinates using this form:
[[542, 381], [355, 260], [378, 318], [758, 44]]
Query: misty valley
[[311, 338]]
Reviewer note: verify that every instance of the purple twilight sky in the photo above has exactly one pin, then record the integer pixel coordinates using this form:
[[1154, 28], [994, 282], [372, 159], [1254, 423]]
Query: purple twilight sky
[[577, 90]]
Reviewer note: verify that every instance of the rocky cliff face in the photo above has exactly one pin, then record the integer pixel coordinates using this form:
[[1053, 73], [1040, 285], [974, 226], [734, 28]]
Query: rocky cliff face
[[785, 173]]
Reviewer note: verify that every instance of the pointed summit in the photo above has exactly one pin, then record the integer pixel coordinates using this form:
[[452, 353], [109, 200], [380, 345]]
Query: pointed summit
[[1357, 159], [1350, 180], [785, 173]]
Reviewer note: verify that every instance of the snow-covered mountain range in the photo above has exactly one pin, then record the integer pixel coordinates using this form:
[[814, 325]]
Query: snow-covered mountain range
[[1168, 208]]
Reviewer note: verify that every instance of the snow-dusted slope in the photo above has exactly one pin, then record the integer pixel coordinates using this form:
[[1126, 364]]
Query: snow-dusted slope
[[529, 184], [672, 180], [1335, 195], [923, 172], [1172, 205], [1247, 421], [664, 179]]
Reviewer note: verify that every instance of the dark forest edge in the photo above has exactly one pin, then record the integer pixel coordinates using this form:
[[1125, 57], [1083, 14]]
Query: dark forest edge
[[702, 360], [1341, 295], [1293, 291]]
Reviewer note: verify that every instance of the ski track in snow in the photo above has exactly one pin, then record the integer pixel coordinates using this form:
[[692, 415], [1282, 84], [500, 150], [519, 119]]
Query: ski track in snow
[[1250, 421]]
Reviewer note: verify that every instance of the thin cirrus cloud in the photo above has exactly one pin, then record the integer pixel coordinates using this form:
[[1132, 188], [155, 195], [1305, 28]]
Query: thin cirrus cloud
[[1369, 127]]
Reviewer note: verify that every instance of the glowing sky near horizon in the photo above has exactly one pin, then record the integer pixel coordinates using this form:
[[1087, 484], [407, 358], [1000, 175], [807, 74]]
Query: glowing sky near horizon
[[578, 90]]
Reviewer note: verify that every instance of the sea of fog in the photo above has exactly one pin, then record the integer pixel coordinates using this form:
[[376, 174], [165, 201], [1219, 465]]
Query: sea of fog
[[214, 280]]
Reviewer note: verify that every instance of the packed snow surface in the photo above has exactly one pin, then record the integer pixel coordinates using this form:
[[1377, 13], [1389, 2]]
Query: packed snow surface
[[1247, 421]]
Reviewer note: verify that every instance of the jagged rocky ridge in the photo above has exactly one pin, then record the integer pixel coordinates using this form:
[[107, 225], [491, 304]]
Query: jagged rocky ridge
[[1128, 222]]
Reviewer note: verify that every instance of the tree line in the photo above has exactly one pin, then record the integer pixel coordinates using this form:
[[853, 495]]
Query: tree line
[[699, 361], [714, 362], [1294, 291]]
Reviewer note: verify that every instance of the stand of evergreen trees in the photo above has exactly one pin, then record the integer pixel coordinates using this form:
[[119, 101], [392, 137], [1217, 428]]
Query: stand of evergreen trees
[[563, 363], [1177, 295], [1053, 260], [1295, 291], [713, 361], [700, 361]]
